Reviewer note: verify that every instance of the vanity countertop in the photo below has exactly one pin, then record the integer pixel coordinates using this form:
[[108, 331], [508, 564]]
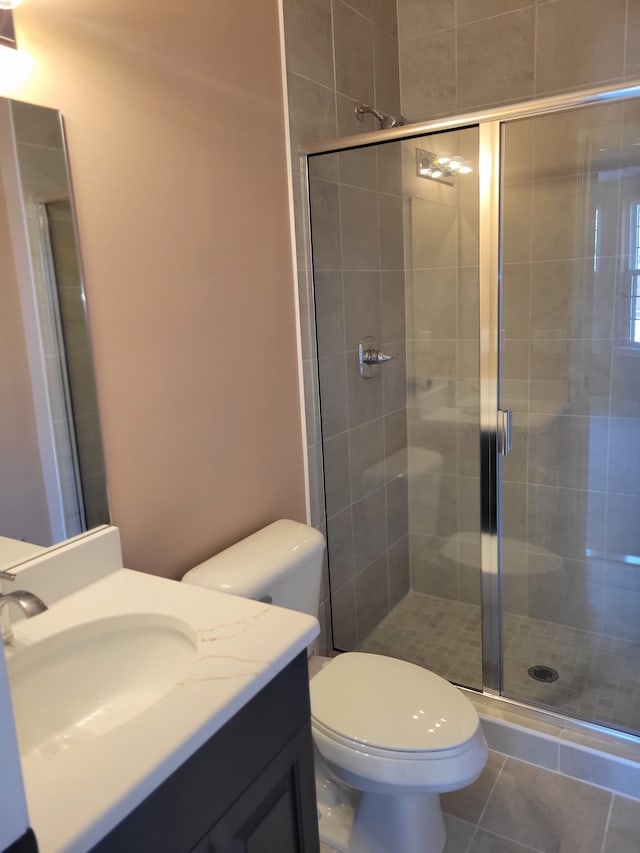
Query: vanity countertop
[[77, 791]]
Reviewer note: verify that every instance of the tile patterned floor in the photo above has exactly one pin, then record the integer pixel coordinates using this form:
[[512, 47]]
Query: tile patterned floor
[[599, 675], [515, 807]]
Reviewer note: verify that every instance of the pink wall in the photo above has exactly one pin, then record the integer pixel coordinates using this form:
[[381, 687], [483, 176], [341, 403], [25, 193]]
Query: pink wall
[[174, 117]]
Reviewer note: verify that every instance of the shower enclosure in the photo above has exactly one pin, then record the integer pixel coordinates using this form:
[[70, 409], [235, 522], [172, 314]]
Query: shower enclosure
[[482, 485]]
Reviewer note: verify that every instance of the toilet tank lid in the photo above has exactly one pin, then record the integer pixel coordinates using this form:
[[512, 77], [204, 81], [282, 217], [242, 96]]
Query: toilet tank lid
[[251, 567]]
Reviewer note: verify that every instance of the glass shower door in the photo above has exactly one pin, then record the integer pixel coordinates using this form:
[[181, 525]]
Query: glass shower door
[[395, 266], [570, 356]]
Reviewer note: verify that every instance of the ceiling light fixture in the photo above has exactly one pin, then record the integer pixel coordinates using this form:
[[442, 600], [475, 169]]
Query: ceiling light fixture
[[441, 167]]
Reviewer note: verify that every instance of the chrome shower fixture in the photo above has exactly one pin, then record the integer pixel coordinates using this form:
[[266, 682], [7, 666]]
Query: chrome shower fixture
[[386, 120]]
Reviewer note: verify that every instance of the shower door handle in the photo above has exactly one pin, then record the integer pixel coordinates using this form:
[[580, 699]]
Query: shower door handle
[[504, 431]]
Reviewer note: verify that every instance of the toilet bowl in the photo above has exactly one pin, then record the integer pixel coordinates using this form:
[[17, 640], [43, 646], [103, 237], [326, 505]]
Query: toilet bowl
[[389, 736], [400, 736]]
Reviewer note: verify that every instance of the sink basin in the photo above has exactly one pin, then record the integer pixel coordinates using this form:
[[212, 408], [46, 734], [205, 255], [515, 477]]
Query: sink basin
[[85, 681]]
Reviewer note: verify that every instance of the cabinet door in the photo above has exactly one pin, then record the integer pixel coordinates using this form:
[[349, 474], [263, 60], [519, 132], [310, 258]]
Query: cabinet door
[[273, 815]]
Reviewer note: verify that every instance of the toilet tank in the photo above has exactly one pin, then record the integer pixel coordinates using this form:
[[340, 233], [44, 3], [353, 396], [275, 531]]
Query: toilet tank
[[281, 563]]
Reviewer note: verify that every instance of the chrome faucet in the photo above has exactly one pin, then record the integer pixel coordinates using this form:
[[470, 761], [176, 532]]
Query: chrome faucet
[[29, 603]]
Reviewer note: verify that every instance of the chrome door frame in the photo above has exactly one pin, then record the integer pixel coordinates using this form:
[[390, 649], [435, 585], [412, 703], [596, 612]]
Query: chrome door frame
[[490, 125]]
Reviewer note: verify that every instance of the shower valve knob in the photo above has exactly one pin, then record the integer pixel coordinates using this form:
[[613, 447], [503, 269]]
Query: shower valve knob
[[369, 354], [373, 356]]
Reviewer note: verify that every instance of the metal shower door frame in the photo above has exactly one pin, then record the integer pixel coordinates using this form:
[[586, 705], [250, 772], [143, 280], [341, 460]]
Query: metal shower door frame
[[490, 124]]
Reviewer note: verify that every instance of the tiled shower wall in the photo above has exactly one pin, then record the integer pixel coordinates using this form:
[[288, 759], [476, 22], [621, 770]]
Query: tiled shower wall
[[357, 233], [338, 53], [441, 237], [459, 55], [572, 371], [454, 55]]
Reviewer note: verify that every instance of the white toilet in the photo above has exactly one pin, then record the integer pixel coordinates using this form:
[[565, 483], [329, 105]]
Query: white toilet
[[390, 736]]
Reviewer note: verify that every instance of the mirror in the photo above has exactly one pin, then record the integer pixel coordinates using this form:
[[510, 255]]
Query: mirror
[[52, 474]]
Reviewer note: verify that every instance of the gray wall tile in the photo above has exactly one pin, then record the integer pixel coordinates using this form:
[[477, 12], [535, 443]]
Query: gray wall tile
[[369, 531], [567, 35], [372, 596], [363, 36], [329, 313], [366, 458], [340, 545], [325, 225], [359, 168], [365, 395], [386, 71], [345, 625], [394, 379], [399, 570], [361, 307], [415, 20], [520, 743], [336, 473], [397, 509], [476, 10], [312, 117], [360, 229], [392, 306], [496, 60], [353, 40], [427, 75], [333, 388], [622, 776], [309, 39]]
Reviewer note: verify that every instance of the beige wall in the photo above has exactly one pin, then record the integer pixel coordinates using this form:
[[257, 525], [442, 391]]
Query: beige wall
[[176, 138]]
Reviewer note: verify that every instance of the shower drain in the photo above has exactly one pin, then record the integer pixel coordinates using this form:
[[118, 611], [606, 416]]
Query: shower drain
[[543, 673]]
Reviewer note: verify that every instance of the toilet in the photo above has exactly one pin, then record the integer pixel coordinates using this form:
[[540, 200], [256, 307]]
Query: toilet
[[389, 736]]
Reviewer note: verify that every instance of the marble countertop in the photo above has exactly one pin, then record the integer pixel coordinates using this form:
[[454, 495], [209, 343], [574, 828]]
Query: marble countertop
[[77, 794]]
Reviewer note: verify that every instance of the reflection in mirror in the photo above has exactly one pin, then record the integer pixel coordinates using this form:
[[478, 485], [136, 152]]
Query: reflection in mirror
[[52, 476]]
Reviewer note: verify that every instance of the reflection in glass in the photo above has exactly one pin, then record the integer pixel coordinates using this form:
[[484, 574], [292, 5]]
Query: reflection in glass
[[53, 480], [571, 372]]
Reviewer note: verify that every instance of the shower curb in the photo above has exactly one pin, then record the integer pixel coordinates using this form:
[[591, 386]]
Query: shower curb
[[606, 760]]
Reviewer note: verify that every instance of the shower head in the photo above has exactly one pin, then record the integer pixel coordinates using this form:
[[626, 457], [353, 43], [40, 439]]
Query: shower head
[[386, 120]]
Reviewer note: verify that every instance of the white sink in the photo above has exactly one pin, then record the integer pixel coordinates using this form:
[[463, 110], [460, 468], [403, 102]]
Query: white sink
[[85, 681]]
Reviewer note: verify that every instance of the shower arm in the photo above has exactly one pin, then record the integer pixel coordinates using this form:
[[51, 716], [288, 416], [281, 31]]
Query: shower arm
[[386, 120]]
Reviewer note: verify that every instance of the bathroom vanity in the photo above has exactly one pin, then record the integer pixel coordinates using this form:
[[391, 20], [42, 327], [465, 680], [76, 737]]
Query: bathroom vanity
[[249, 788], [153, 715]]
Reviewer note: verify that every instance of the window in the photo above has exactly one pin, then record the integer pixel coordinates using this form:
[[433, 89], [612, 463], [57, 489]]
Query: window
[[634, 271]]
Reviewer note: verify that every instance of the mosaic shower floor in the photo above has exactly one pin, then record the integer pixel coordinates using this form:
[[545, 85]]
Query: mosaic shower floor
[[599, 675]]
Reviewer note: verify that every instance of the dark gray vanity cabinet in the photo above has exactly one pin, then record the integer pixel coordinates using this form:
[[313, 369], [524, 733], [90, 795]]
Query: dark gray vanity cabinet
[[249, 789]]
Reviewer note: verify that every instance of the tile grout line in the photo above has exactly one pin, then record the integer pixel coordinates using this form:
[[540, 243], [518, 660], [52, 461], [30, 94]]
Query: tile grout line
[[493, 787], [606, 825]]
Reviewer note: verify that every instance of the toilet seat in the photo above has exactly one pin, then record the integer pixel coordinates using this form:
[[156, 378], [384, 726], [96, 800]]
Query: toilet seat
[[365, 728], [384, 752], [389, 705]]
